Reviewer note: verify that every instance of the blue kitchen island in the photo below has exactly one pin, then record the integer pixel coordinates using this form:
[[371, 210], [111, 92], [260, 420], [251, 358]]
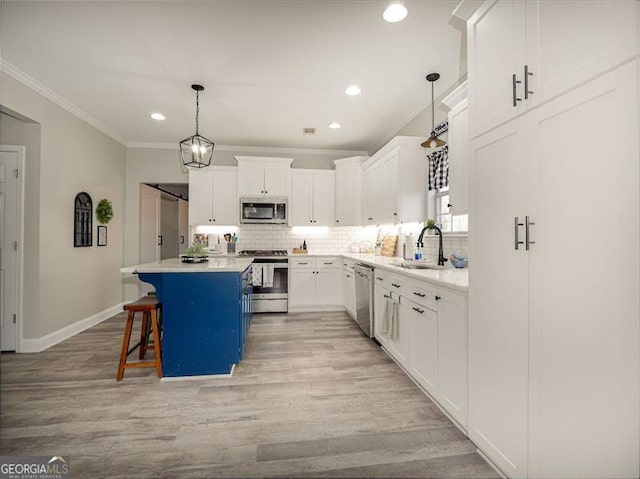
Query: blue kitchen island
[[206, 312]]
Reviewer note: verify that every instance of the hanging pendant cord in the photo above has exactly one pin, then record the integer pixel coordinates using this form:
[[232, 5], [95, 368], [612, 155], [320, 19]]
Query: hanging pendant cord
[[197, 110], [433, 126]]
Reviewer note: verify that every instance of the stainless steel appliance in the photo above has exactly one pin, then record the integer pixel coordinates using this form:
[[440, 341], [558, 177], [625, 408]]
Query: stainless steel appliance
[[273, 298], [364, 298], [263, 210]]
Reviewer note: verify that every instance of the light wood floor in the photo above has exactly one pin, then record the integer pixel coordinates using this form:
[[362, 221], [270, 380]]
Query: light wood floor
[[312, 398]]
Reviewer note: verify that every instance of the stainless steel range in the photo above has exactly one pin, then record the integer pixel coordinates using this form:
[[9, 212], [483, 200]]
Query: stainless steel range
[[270, 276]]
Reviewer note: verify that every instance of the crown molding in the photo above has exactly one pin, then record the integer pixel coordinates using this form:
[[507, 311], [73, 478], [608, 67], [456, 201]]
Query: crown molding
[[252, 149], [30, 82]]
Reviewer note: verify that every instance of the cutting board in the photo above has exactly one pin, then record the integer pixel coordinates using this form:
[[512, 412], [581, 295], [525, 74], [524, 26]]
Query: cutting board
[[388, 245]]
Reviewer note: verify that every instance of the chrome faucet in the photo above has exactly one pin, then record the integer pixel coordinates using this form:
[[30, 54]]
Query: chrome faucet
[[441, 258]]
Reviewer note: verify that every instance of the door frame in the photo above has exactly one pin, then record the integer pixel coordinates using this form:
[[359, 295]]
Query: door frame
[[20, 150]]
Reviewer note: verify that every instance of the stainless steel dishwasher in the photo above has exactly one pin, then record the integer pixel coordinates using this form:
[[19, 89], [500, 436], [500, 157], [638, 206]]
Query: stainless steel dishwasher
[[364, 298]]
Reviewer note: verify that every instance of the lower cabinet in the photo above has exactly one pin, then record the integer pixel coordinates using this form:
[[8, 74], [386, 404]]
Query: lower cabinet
[[315, 284], [431, 341], [423, 363], [349, 292]]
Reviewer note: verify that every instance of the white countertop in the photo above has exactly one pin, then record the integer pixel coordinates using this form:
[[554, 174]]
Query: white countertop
[[175, 265], [456, 279]]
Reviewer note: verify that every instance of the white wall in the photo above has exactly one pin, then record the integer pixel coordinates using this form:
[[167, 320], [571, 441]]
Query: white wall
[[73, 283]]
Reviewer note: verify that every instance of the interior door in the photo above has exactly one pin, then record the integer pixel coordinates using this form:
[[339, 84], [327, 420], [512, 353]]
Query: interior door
[[9, 231], [150, 237], [498, 298]]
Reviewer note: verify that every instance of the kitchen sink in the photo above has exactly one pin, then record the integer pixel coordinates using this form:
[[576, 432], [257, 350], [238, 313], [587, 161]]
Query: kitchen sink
[[416, 265]]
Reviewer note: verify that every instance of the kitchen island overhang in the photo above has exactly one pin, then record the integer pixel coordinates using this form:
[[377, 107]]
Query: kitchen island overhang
[[206, 313]]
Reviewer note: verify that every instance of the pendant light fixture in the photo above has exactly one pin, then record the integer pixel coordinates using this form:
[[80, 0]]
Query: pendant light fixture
[[433, 141], [196, 151]]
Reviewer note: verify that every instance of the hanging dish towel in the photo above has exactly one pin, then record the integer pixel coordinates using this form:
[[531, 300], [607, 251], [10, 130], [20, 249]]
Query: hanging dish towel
[[267, 275], [439, 168], [390, 319], [256, 274]]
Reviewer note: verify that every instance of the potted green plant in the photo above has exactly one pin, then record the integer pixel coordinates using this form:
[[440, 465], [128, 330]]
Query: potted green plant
[[195, 253], [430, 224]]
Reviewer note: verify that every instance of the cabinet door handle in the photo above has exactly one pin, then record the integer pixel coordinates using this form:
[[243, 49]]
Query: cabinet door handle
[[160, 240], [303, 263], [181, 239], [517, 226], [422, 295], [378, 278], [395, 285], [527, 92], [387, 296], [527, 240], [348, 276], [515, 95], [421, 311], [369, 219], [328, 262], [438, 298], [266, 192]]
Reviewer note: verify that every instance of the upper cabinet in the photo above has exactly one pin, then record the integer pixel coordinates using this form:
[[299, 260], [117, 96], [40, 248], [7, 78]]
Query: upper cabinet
[[349, 190], [263, 176], [522, 54], [394, 183], [458, 150], [213, 196], [312, 197]]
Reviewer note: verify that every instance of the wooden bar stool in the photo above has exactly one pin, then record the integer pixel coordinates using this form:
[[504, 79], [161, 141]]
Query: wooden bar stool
[[149, 307]]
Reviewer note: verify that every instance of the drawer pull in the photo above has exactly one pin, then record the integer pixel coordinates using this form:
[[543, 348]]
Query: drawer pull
[[303, 263], [379, 278], [395, 285], [422, 295], [348, 276], [328, 262], [421, 311]]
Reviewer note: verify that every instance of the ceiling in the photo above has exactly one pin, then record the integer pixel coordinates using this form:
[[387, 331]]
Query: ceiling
[[270, 68]]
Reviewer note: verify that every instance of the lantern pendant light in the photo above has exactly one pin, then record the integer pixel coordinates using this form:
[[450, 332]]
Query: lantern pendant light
[[433, 141], [196, 151]]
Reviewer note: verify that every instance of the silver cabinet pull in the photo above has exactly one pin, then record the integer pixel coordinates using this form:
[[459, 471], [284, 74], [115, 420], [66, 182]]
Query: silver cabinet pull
[[527, 239], [527, 92], [515, 94], [517, 225]]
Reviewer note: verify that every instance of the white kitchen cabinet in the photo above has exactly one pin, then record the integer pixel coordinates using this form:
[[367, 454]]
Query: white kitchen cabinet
[[264, 176], [458, 149], [394, 181], [312, 198], [315, 284], [213, 197], [423, 362], [200, 196], [453, 354], [560, 43], [554, 338], [349, 191], [371, 195]]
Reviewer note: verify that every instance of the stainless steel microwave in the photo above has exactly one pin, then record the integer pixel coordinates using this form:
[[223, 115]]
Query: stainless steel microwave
[[263, 210]]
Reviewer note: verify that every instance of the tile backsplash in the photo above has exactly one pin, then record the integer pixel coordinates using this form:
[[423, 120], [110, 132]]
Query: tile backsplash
[[334, 239]]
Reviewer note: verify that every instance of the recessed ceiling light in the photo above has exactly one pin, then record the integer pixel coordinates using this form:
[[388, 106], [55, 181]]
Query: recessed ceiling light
[[158, 116], [335, 125], [395, 13], [353, 90]]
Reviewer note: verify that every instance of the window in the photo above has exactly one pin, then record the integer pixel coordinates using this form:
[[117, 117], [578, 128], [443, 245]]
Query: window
[[448, 222]]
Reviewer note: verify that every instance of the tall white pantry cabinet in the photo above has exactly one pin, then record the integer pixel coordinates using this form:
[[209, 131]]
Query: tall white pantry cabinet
[[554, 309]]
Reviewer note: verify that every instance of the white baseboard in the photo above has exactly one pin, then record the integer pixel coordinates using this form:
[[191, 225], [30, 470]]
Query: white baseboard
[[315, 309], [36, 345]]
